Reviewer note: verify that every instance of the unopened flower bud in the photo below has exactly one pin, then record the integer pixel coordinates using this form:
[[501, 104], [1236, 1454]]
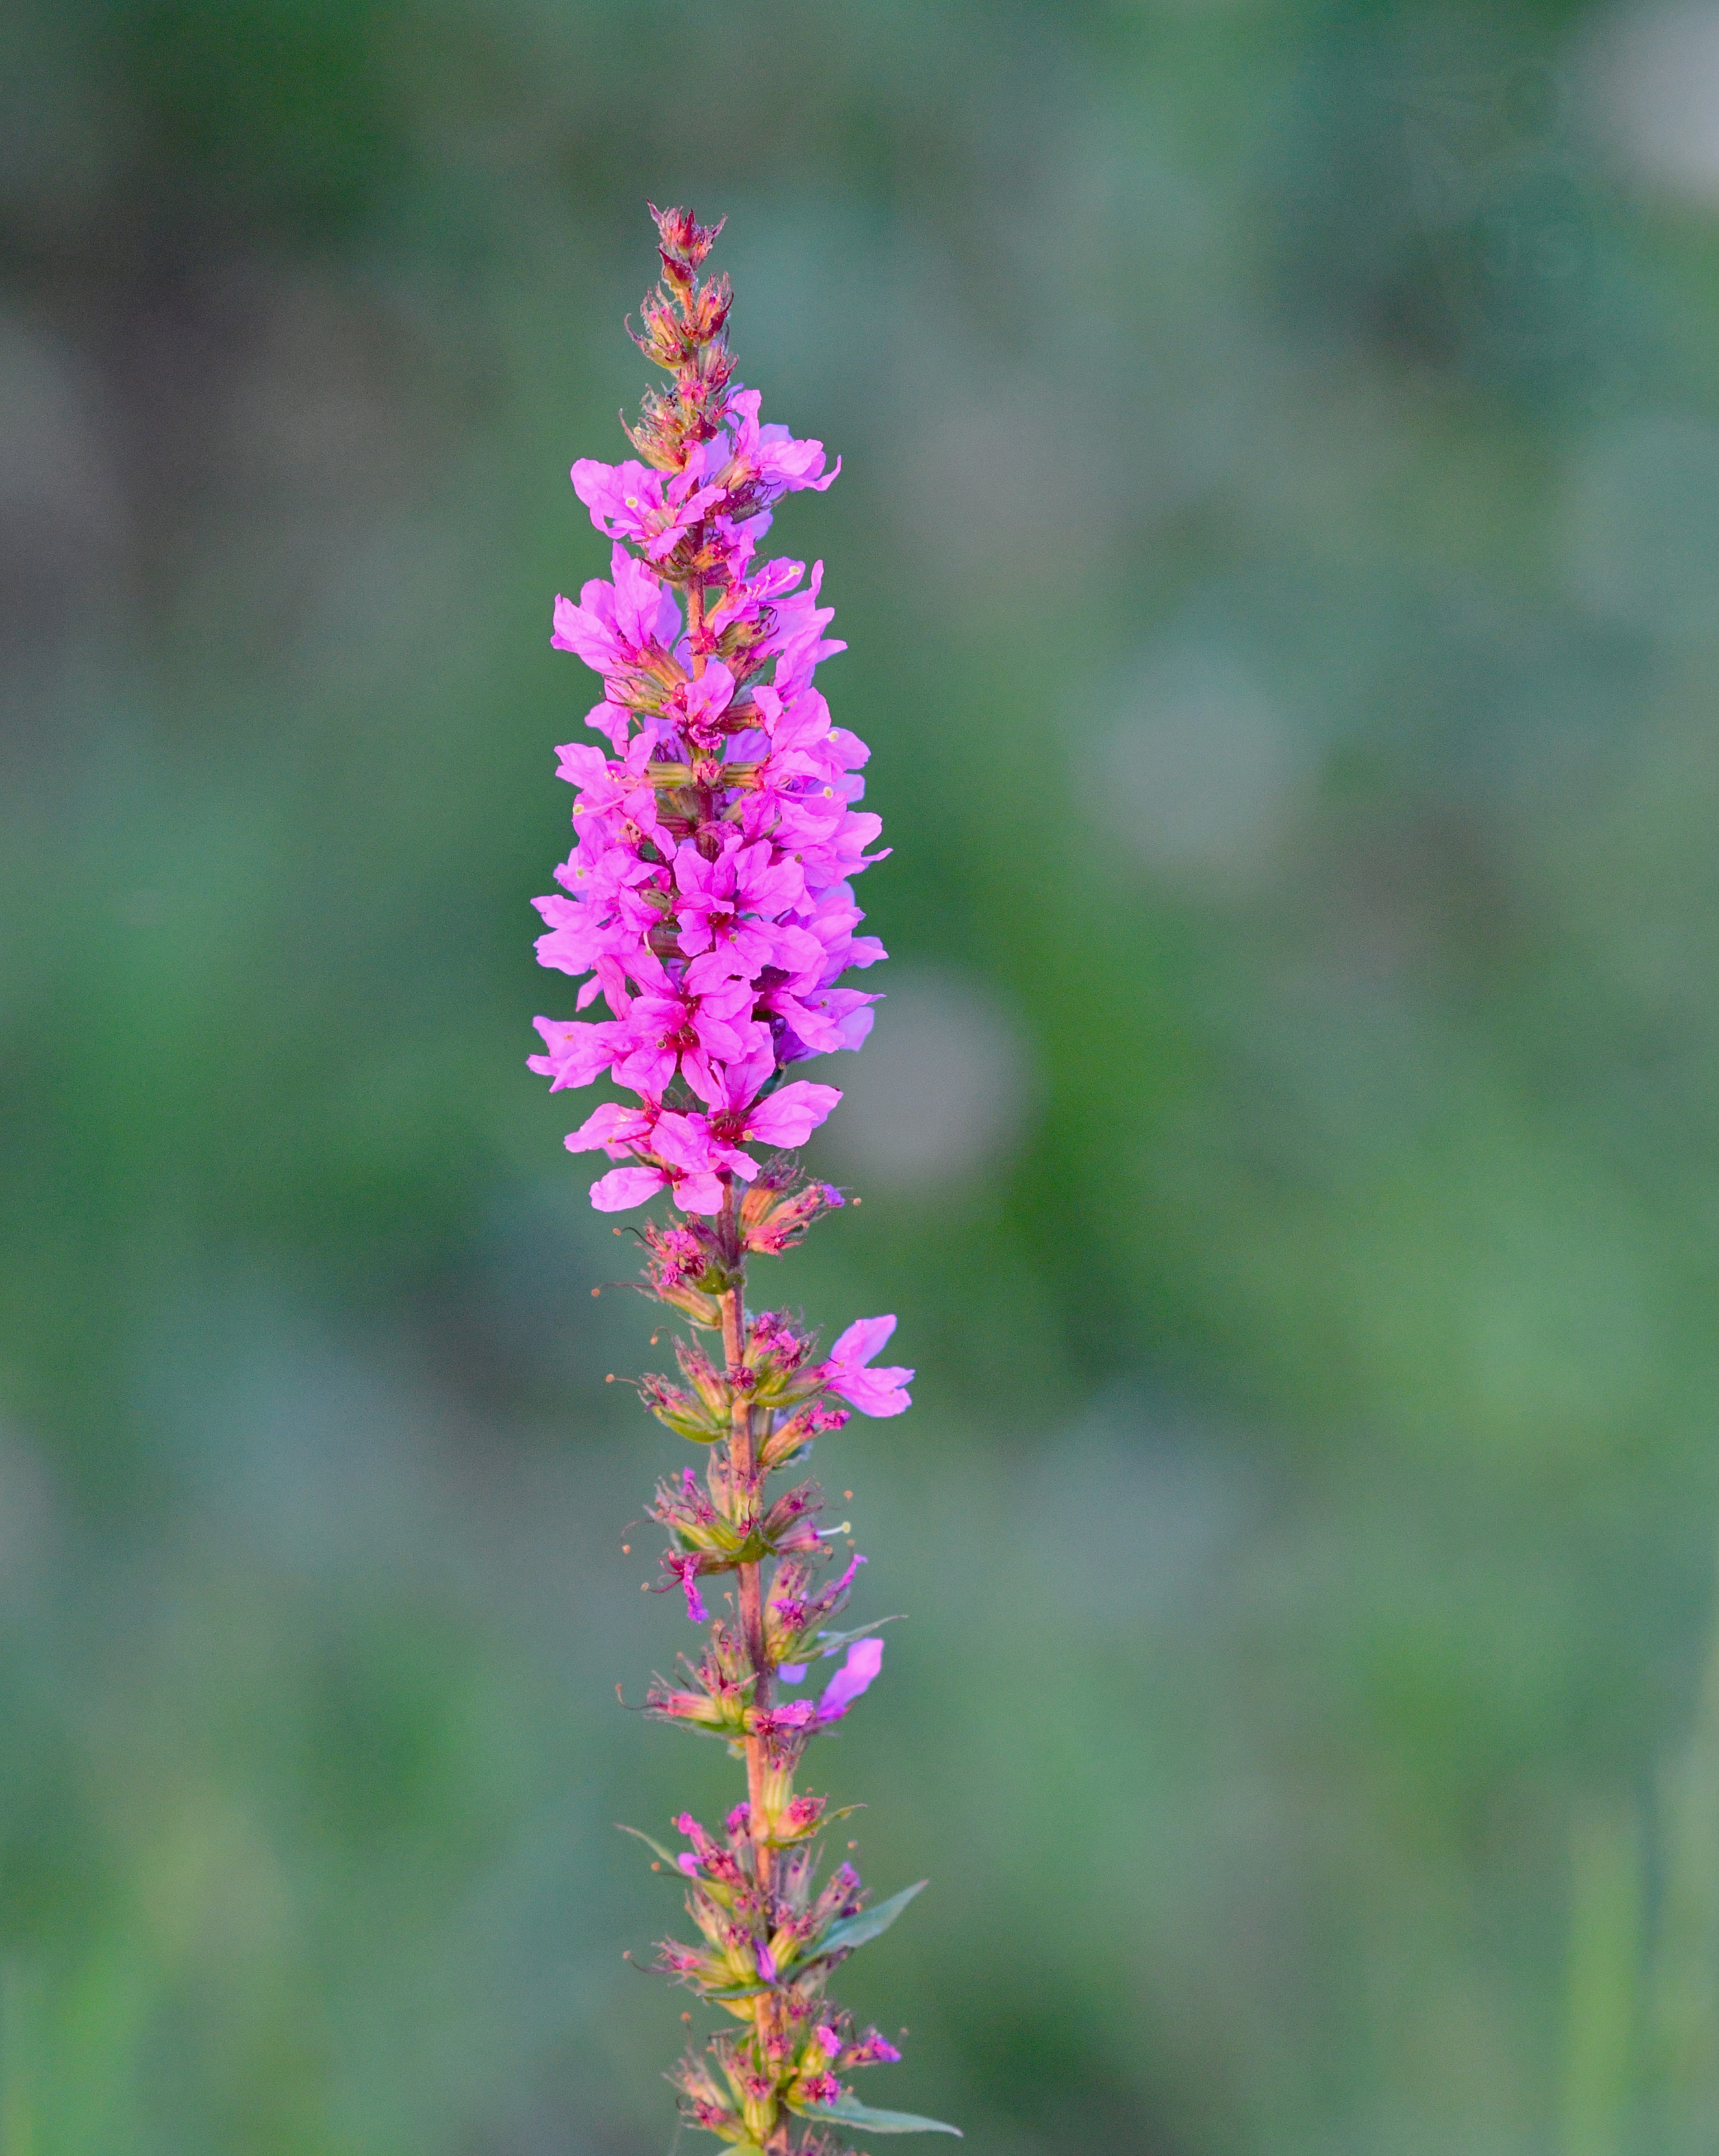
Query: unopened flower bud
[[682, 1271], [800, 1817], [706, 1381], [798, 1430], [687, 1416], [683, 242], [791, 1524], [771, 1221], [872, 2050]]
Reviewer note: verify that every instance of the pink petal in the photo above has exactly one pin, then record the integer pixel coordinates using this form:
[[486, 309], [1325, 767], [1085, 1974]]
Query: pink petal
[[612, 1124], [696, 1194], [612, 720], [865, 1658], [624, 1187], [873, 1392], [582, 764], [789, 1118], [863, 1338]]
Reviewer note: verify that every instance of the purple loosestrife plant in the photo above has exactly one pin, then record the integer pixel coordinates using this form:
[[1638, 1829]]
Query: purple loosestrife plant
[[709, 901]]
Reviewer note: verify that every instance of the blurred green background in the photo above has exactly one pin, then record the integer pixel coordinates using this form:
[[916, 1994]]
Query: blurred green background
[[1279, 546]]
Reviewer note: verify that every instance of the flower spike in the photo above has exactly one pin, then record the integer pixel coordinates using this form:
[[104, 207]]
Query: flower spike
[[708, 904]]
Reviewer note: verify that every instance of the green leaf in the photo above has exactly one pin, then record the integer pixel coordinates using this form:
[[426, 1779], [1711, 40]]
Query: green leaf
[[855, 1931], [830, 1642], [666, 1854], [850, 2113]]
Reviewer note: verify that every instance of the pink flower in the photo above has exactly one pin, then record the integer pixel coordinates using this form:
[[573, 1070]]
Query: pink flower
[[787, 1117], [820, 1022], [708, 899], [613, 721], [733, 906], [611, 794], [580, 934], [678, 1156], [615, 1127], [865, 1658], [699, 705], [669, 1024], [575, 1054], [767, 462], [778, 1722], [790, 465], [871, 2050], [797, 639], [629, 502], [615, 626], [873, 1392]]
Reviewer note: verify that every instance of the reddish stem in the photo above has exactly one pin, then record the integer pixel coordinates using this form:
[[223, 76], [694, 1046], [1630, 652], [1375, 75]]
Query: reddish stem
[[743, 1460]]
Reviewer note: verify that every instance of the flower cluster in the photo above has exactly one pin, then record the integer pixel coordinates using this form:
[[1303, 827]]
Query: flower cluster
[[709, 901], [708, 898]]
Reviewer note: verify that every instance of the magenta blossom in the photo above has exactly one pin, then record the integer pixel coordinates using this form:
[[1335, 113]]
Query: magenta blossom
[[617, 1128], [671, 1023], [734, 906], [627, 501], [680, 1160], [872, 2050], [739, 1115], [616, 627], [873, 1392], [576, 1054], [865, 1658], [709, 899]]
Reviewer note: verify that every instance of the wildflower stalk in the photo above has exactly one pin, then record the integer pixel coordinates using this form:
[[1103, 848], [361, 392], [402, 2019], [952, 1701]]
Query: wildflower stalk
[[709, 899], [751, 1593]]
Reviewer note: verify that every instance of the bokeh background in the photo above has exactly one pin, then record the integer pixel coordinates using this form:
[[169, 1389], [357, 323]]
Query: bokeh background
[[1279, 546]]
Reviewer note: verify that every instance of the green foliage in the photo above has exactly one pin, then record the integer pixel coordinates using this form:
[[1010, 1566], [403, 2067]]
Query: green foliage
[[848, 2113], [869, 1924], [1642, 2031], [663, 1855]]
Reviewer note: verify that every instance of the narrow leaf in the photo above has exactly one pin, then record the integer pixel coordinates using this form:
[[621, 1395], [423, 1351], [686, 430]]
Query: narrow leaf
[[855, 1931], [832, 1643], [850, 2113], [666, 1856]]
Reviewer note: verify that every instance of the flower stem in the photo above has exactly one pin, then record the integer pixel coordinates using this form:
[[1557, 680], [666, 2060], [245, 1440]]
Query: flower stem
[[751, 1598]]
